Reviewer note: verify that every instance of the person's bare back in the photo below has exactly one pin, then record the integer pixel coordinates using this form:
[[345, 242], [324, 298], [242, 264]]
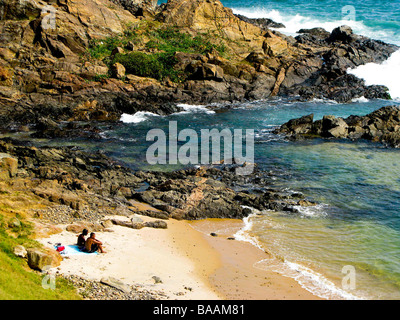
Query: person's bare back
[[93, 245]]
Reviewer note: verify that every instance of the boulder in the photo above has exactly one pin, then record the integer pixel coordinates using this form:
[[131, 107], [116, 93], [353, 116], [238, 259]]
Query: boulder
[[8, 166], [158, 224], [40, 260], [115, 283], [342, 34], [334, 127], [297, 126], [381, 125], [20, 251], [118, 70]]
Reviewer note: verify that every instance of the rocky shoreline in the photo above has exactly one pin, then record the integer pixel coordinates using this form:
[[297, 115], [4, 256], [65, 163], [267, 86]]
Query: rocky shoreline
[[48, 77], [382, 125], [51, 87], [85, 182]]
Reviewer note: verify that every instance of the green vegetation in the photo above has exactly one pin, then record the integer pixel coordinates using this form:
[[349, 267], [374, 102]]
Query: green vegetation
[[101, 49], [17, 281], [158, 46], [171, 39], [158, 65]]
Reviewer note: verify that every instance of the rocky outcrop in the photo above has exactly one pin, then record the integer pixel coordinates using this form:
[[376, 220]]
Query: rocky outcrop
[[41, 260], [92, 183], [327, 75], [47, 76], [382, 125], [210, 193], [8, 166], [138, 7], [262, 23]]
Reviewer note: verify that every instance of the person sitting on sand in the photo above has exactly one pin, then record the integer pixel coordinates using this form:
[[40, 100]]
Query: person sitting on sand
[[82, 239], [93, 245]]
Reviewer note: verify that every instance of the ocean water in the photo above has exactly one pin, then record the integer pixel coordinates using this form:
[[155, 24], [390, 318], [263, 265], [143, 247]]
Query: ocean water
[[356, 224], [378, 20], [356, 185]]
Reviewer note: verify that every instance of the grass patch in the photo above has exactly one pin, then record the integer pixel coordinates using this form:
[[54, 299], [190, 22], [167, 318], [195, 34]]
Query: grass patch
[[100, 49], [158, 46], [17, 281], [157, 65]]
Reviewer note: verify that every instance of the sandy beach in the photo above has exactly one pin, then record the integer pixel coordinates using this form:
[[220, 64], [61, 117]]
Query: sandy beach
[[191, 264]]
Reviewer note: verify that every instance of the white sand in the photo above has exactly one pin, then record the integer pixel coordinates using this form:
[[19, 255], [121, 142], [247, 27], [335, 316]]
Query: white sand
[[135, 256]]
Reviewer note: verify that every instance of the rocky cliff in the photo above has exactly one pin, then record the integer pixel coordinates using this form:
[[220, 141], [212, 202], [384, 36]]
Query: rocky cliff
[[75, 60]]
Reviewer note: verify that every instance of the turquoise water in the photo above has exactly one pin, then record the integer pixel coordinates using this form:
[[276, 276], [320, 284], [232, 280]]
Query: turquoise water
[[378, 19], [357, 186]]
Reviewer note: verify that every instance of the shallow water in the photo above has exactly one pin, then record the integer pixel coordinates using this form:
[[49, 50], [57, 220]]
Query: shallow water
[[357, 186]]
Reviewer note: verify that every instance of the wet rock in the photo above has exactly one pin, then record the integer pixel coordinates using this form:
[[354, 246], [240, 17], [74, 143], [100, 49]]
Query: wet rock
[[341, 34], [263, 23], [381, 125]]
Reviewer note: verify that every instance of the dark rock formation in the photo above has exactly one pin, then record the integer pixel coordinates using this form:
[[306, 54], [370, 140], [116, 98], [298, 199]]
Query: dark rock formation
[[48, 74], [263, 23], [382, 125]]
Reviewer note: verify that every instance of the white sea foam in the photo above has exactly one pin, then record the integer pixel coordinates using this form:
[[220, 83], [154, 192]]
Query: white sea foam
[[243, 234], [360, 100], [137, 117], [294, 23], [309, 279], [386, 73], [313, 211], [188, 108]]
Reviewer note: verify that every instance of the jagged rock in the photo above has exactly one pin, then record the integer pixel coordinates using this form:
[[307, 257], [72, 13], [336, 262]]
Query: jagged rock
[[118, 70], [263, 23], [298, 126], [381, 125], [341, 34], [8, 166], [320, 33]]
